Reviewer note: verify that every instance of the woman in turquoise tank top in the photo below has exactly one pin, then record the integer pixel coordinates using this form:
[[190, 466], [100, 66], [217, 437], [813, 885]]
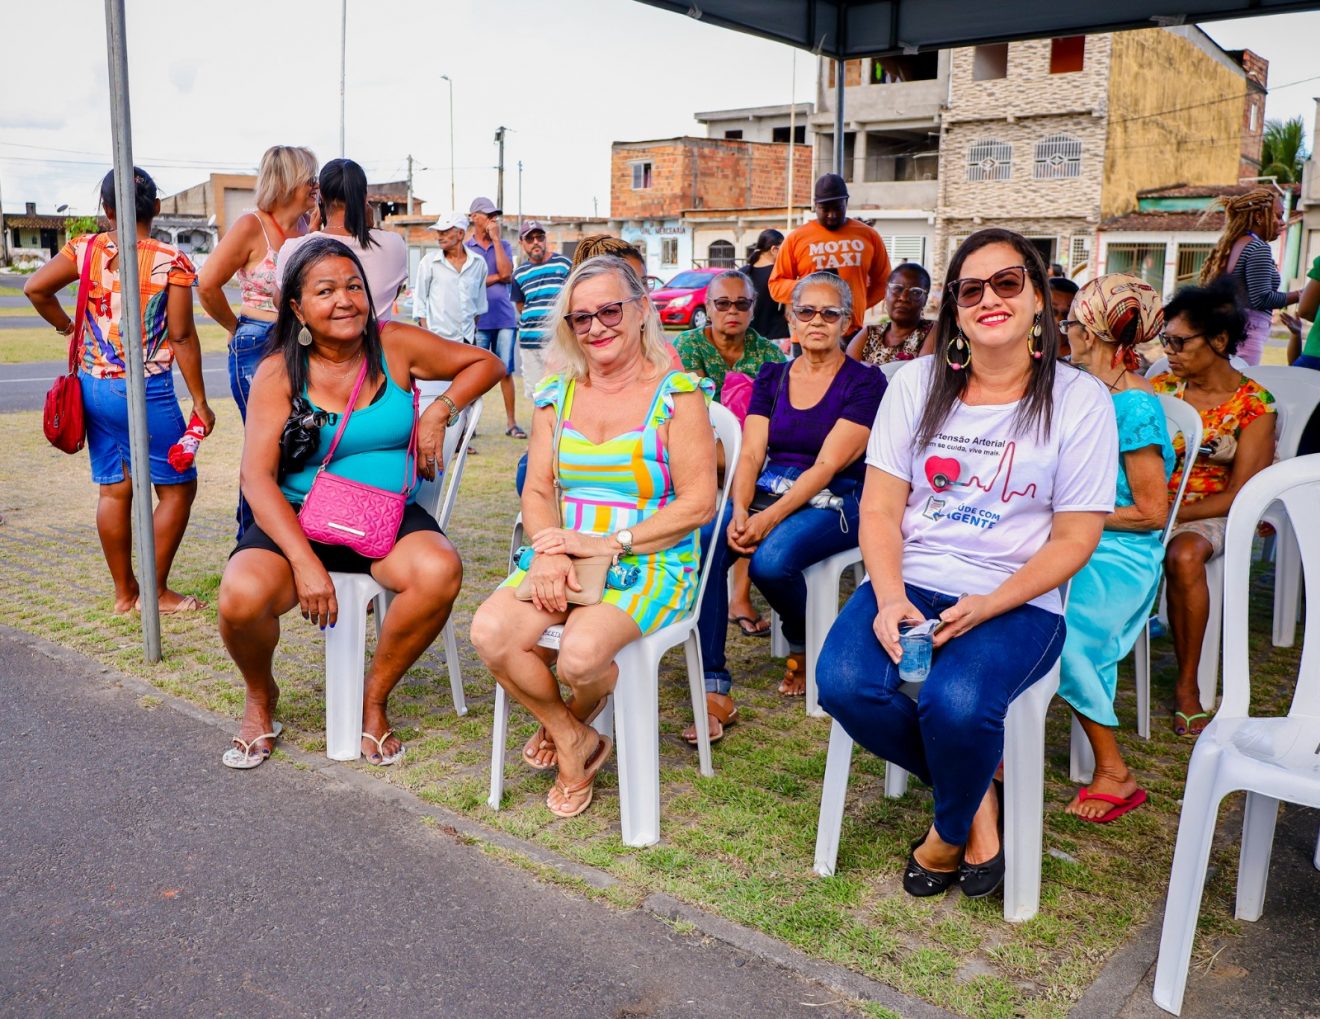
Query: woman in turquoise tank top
[[636, 460], [324, 333]]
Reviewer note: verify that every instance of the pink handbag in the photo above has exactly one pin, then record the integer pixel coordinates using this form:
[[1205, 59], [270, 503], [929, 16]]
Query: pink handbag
[[339, 511]]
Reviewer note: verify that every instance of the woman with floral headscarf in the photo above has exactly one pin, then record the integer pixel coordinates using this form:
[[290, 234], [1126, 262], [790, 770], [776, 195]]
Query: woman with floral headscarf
[[1111, 597]]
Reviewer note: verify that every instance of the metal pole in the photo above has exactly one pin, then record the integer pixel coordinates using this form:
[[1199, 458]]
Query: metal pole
[[343, 68], [520, 199], [409, 210], [838, 117], [499, 183], [453, 200], [130, 326], [4, 236], [792, 135]]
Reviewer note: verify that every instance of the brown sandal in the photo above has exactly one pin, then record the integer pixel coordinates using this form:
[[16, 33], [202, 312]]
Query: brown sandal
[[586, 785], [720, 707], [541, 741], [794, 683]]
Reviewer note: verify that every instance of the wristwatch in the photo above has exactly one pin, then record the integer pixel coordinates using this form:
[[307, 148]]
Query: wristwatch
[[453, 408], [625, 539]]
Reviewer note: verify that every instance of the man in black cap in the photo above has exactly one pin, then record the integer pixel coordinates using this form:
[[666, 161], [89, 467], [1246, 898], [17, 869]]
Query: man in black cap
[[834, 243]]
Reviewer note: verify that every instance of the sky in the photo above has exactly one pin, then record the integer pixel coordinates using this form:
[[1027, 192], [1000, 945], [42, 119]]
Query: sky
[[214, 84]]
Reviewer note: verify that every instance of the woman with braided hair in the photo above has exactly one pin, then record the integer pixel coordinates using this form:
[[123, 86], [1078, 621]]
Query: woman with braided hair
[[1252, 222], [1111, 597]]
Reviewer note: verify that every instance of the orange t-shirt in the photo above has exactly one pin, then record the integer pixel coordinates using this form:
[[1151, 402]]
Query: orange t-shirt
[[854, 251]]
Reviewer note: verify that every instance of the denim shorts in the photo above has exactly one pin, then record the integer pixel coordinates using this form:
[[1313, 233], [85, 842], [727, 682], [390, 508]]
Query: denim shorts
[[500, 342], [247, 348], [105, 408]]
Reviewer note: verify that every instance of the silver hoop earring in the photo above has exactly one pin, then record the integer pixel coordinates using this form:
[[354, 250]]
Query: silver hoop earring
[[304, 337]]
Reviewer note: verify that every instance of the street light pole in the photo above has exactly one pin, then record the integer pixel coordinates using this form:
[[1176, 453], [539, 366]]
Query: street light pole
[[343, 68], [453, 199], [499, 184]]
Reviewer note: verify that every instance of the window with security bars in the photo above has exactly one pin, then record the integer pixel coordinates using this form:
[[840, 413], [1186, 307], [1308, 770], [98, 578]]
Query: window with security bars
[[1190, 259], [721, 255], [669, 251], [641, 176], [905, 248], [1058, 156], [989, 160], [1079, 253], [1144, 260]]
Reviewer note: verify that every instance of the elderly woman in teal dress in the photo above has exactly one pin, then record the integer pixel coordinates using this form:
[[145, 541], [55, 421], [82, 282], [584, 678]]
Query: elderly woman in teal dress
[[1110, 599]]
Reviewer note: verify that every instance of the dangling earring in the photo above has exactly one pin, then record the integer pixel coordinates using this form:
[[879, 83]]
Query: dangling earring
[[959, 352], [1033, 341], [304, 337]]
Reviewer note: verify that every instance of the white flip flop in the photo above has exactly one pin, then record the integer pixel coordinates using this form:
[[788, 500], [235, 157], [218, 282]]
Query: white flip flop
[[384, 761], [243, 757]]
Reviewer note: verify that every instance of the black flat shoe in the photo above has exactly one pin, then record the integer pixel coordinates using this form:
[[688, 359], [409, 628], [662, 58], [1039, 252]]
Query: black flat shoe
[[920, 882], [978, 880]]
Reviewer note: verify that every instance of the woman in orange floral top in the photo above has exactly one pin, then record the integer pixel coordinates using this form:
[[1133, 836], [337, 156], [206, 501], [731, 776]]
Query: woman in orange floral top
[[165, 281], [1203, 327]]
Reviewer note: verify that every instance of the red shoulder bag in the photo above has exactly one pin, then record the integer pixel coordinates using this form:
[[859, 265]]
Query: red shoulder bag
[[62, 419]]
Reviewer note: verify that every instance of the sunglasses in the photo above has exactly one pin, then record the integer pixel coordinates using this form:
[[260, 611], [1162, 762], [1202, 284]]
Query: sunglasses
[[610, 315], [725, 303], [1009, 282], [805, 313], [897, 290], [1176, 343]]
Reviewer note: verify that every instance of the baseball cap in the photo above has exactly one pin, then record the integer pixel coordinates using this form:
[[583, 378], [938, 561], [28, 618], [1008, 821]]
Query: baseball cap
[[830, 187], [449, 220], [484, 204], [529, 226]]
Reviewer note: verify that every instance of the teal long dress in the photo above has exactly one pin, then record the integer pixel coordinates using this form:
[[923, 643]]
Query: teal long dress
[[1111, 597]]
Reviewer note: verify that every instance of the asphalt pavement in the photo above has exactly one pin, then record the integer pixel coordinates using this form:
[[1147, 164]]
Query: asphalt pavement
[[143, 878], [23, 386]]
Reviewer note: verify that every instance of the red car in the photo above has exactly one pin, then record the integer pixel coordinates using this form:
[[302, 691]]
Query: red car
[[682, 301]]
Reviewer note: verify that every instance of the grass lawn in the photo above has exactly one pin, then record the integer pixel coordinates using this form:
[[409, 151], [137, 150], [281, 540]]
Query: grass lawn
[[739, 844], [19, 346]]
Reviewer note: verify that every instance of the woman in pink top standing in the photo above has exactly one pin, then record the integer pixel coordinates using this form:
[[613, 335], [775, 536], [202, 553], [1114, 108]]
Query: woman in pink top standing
[[286, 195]]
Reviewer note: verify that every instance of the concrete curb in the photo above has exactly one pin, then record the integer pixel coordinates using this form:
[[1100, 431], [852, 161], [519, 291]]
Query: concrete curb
[[663, 907], [1122, 976]]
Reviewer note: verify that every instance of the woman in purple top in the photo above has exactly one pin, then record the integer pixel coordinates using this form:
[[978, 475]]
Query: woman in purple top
[[796, 490]]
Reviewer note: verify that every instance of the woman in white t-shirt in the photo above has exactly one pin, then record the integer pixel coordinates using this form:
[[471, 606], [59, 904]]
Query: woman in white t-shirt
[[991, 469], [346, 216]]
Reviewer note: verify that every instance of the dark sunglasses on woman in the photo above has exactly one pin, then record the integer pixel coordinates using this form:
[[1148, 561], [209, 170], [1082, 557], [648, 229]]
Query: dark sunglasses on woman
[[1009, 282], [805, 313], [725, 303], [610, 315]]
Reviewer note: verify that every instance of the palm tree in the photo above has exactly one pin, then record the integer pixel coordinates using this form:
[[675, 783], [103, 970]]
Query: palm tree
[[1283, 150]]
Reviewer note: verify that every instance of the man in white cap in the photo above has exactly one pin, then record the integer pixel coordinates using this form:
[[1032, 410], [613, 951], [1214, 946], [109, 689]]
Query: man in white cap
[[449, 288]]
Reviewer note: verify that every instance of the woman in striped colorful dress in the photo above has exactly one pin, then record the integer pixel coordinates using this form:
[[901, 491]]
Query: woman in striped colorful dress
[[636, 459]]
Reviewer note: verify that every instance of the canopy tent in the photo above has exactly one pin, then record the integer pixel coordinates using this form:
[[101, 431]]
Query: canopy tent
[[846, 29]]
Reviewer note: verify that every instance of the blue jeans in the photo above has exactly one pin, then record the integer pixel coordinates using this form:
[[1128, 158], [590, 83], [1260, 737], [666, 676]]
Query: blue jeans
[[804, 539], [1307, 361], [952, 736], [246, 349], [500, 341]]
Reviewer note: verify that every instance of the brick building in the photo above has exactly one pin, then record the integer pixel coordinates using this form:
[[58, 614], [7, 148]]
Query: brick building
[[657, 187]]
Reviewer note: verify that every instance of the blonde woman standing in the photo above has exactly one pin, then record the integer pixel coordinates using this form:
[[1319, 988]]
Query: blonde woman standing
[[285, 197]]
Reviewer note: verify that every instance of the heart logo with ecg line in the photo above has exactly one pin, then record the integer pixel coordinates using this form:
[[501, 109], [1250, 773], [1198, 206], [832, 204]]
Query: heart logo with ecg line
[[942, 472]]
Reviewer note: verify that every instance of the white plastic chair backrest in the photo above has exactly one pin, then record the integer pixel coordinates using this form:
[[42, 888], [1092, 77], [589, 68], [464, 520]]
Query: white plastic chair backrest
[[1296, 393], [890, 368], [438, 497], [1180, 416], [1295, 483], [728, 433]]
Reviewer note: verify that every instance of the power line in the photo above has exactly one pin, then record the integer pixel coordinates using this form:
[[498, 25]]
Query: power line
[[1211, 102]]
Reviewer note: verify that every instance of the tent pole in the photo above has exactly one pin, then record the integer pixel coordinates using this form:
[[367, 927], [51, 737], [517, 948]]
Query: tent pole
[[838, 116], [130, 326]]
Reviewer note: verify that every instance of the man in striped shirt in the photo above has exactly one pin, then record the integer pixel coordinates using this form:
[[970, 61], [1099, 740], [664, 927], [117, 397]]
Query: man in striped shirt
[[536, 286]]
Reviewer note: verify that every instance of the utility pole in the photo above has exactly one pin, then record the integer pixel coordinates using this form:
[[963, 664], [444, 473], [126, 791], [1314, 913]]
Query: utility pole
[[792, 136], [410, 161], [4, 236], [499, 186], [343, 68], [453, 200], [520, 199]]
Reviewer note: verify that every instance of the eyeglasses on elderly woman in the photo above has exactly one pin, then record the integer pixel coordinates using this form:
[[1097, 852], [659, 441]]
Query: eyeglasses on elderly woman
[[805, 313], [610, 315]]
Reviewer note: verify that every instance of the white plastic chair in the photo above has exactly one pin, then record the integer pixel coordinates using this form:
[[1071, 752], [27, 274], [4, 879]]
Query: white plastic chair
[[346, 643], [890, 368], [1024, 794], [635, 703], [1160, 366], [823, 580], [1179, 417], [1296, 393], [1272, 759]]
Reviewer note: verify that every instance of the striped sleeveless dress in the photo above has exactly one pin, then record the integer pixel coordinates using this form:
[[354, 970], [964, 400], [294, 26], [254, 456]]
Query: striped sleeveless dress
[[618, 483]]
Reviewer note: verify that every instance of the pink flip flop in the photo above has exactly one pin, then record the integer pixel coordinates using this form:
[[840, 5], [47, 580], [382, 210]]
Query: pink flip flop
[[1121, 806]]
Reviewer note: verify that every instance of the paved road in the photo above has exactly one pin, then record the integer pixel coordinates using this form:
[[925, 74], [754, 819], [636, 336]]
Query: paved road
[[23, 386], [141, 877]]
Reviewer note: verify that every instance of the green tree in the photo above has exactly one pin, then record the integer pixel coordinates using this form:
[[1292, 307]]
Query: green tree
[[76, 226], [1283, 150]]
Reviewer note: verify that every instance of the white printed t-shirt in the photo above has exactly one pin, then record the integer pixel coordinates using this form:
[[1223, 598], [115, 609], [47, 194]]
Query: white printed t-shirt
[[984, 495]]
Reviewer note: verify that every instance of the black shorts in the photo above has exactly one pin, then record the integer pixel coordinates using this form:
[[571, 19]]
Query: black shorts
[[339, 558]]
